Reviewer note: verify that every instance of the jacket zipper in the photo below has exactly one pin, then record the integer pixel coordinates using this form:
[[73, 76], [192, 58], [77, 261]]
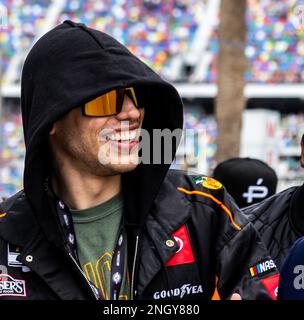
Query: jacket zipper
[[133, 269], [84, 276]]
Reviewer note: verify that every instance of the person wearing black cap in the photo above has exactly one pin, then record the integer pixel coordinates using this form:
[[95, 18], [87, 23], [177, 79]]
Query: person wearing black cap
[[88, 226], [280, 219], [247, 180]]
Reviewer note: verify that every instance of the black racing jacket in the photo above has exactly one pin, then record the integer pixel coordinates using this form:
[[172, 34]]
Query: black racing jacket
[[195, 244], [279, 221]]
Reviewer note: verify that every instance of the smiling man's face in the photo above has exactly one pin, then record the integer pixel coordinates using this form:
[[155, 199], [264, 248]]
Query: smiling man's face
[[102, 146]]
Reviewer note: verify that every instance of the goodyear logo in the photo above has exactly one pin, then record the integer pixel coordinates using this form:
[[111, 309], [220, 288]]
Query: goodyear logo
[[208, 182], [262, 267]]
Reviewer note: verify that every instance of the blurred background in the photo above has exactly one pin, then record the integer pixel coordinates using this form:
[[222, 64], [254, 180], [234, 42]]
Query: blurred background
[[237, 64]]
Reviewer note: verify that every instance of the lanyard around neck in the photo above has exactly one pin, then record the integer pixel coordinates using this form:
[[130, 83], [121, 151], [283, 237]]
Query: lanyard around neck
[[118, 259]]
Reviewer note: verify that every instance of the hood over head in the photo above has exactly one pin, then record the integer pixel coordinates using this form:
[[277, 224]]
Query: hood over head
[[71, 65]]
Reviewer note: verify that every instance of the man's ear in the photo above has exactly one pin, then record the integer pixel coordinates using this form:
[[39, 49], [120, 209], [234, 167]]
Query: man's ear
[[302, 152]]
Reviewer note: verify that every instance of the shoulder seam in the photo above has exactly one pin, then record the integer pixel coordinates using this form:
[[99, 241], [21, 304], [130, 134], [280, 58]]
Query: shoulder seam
[[214, 199]]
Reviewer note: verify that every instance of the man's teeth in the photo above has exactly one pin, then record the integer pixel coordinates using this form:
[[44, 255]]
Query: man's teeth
[[122, 136]]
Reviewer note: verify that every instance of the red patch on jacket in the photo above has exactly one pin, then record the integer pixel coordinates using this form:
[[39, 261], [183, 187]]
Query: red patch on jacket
[[271, 285], [184, 254]]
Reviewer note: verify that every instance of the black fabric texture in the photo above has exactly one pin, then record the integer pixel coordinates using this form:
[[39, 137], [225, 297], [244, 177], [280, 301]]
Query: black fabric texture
[[279, 221], [220, 250]]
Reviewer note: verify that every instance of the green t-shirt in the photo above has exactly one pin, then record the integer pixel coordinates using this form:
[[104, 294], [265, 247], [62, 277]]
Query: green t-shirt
[[96, 231]]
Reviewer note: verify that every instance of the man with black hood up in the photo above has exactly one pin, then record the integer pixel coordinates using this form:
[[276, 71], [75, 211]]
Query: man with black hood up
[[83, 228]]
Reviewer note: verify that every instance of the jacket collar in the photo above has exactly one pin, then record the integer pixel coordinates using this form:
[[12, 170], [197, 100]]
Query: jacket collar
[[18, 225], [160, 226]]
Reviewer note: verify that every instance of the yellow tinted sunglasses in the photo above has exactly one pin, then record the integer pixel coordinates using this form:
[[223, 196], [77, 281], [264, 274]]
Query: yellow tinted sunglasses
[[109, 104]]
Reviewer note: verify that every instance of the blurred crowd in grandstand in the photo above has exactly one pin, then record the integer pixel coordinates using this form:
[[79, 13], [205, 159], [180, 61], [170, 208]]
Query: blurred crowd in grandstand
[[275, 45], [12, 150], [157, 31], [154, 30], [25, 18]]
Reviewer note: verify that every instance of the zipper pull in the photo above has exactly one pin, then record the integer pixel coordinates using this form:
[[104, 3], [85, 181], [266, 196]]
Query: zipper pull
[[90, 285]]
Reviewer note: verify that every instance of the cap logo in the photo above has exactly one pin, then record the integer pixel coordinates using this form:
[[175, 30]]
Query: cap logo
[[256, 191]]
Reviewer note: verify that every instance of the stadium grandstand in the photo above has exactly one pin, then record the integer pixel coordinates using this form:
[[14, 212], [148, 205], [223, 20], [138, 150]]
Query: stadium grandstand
[[178, 38]]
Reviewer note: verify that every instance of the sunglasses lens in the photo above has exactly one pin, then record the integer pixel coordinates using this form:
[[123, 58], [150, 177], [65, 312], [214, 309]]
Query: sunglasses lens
[[109, 103], [102, 106]]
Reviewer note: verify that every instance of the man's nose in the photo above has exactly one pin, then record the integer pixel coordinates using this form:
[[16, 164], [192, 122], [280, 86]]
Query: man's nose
[[129, 111]]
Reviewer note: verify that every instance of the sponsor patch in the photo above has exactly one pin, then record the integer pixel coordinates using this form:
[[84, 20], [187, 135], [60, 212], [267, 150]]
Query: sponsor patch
[[184, 253], [208, 182], [12, 253], [262, 267], [10, 287], [184, 290], [198, 180], [271, 285]]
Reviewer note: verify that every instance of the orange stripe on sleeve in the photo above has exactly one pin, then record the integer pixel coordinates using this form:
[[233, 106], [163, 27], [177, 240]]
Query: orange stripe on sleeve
[[207, 195]]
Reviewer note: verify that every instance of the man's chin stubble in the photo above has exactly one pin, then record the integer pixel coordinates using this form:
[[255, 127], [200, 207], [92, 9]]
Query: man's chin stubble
[[101, 170]]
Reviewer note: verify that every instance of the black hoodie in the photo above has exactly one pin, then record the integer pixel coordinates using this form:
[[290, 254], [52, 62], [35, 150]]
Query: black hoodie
[[183, 232], [73, 64]]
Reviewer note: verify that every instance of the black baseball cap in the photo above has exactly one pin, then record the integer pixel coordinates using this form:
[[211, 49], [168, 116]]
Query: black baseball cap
[[248, 180]]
